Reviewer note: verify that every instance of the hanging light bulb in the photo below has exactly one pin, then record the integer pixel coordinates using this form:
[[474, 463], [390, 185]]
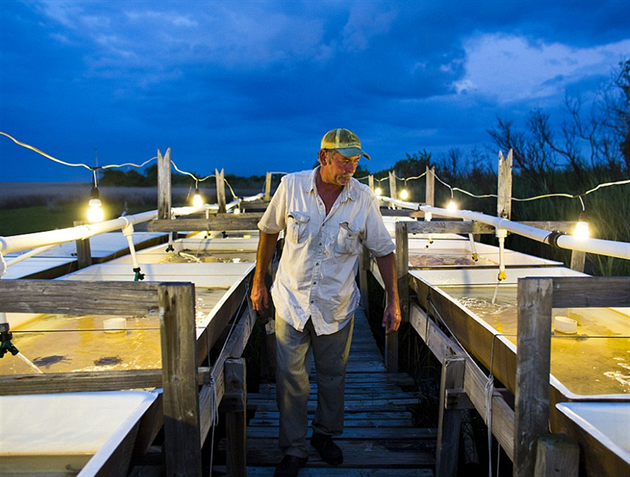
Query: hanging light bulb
[[582, 230], [404, 194], [197, 198], [452, 205], [95, 210], [378, 191]]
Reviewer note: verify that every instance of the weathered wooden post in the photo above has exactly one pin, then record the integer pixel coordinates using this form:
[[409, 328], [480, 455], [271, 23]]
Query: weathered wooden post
[[234, 404], [504, 186], [402, 267], [533, 354], [164, 185], [268, 186], [182, 439], [371, 181], [84, 251], [557, 456], [364, 269], [450, 420], [430, 186], [220, 181], [578, 260], [392, 187]]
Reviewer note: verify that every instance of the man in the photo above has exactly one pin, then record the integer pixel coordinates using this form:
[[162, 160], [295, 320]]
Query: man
[[328, 216]]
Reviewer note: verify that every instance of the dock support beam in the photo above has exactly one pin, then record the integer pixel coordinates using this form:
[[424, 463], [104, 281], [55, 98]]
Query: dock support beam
[[533, 356], [402, 272], [557, 456], [182, 438], [234, 404], [84, 251], [450, 420], [364, 269]]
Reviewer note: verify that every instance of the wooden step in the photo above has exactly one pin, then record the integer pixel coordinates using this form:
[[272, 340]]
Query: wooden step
[[379, 438], [352, 419], [220, 471], [354, 406], [364, 433], [384, 453]]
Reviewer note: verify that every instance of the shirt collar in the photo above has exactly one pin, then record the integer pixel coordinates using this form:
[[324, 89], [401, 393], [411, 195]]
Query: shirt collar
[[349, 192]]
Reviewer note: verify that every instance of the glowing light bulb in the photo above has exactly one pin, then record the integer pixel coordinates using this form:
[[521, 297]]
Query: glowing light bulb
[[582, 230], [452, 206], [378, 191], [197, 199], [404, 194], [237, 211], [95, 211]]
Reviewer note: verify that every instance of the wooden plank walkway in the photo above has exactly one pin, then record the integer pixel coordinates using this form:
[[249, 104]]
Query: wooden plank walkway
[[379, 437]]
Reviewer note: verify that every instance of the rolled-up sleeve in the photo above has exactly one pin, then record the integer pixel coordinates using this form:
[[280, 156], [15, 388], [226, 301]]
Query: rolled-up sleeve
[[376, 237], [274, 218]]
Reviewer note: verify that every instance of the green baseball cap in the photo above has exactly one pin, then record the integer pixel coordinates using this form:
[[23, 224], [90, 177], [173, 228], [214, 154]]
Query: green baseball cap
[[344, 141]]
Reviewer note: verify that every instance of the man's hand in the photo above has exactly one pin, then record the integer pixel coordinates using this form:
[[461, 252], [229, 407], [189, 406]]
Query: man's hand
[[264, 253], [259, 296], [391, 318], [391, 315]]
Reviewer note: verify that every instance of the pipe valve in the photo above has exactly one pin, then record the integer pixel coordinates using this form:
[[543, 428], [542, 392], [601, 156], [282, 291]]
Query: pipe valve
[[6, 346]]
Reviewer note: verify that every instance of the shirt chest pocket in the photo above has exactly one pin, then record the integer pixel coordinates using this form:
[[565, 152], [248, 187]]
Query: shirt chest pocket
[[297, 227], [347, 239]]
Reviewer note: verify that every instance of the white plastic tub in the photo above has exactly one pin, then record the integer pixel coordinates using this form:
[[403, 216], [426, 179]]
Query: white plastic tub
[[71, 433]]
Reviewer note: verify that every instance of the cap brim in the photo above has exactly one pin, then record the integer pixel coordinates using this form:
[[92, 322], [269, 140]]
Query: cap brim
[[352, 151]]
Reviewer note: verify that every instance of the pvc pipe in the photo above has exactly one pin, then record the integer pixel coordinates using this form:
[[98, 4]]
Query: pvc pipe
[[128, 233], [29, 254], [597, 246], [400, 203], [17, 243]]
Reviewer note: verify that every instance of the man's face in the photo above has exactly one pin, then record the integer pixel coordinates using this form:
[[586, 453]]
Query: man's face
[[338, 169]]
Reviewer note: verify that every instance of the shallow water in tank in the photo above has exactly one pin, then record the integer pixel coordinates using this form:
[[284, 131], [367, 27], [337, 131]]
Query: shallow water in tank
[[58, 343], [61, 465], [215, 256], [595, 360]]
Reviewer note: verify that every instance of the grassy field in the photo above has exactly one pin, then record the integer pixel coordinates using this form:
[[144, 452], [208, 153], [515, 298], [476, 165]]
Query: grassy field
[[38, 218], [35, 207], [28, 208]]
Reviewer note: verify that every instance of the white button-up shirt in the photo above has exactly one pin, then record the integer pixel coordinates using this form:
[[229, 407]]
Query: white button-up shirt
[[319, 263]]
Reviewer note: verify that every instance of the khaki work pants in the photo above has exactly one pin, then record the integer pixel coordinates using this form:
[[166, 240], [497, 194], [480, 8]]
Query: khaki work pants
[[293, 352]]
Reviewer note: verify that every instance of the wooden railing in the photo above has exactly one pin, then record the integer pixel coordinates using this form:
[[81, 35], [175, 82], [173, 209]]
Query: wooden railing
[[188, 411]]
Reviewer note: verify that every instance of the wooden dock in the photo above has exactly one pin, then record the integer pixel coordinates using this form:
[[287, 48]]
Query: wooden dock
[[379, 439]]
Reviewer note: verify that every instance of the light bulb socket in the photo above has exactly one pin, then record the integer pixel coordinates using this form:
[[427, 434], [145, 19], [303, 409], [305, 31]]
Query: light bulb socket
[[94, 194]]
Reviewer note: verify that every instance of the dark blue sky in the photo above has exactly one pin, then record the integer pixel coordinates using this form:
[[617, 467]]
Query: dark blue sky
[[251, 86]]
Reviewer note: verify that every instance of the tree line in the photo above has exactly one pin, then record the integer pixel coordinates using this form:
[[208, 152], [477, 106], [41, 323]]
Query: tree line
[[587, 146]]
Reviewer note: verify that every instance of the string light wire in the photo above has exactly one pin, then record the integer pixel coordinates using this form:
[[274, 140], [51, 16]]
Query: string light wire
[[70, 164], [452, 189]]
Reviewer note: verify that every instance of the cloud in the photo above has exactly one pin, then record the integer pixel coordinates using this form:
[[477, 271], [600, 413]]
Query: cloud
[[263, 78], [512, 69]]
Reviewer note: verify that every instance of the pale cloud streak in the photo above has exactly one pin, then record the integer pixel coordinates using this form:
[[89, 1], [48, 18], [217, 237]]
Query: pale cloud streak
[[510, 69], [263, 78]]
